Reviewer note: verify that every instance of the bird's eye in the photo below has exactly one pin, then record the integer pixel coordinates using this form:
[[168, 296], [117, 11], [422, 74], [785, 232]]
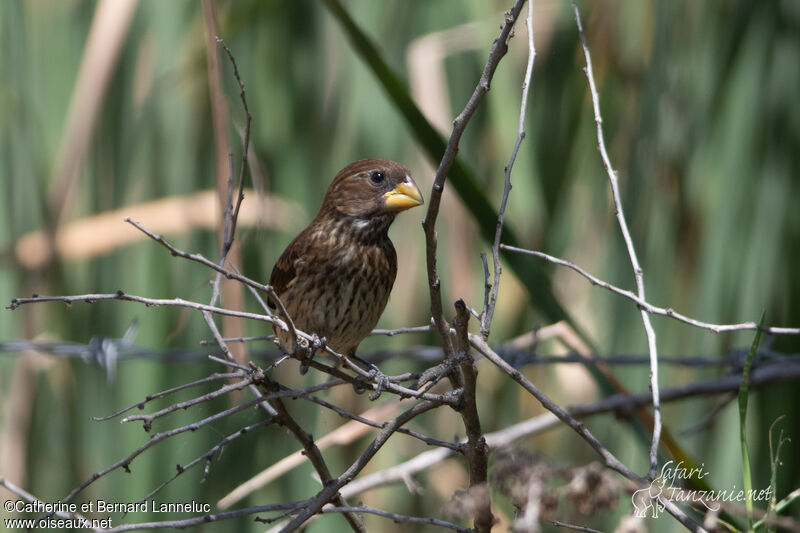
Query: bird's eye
[[377, 177]]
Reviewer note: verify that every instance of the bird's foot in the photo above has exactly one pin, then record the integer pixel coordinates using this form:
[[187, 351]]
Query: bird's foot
[[382, 382], [317, 342], [375, 375], [306, 351], [430, 377]]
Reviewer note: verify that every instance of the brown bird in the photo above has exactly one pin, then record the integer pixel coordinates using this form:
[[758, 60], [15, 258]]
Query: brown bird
[[335, 277]]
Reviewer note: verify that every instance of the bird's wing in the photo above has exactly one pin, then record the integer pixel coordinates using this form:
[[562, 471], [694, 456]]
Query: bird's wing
[[284, 270]]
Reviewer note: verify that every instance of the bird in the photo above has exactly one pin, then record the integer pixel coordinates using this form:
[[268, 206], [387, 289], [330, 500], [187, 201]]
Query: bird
[[335, 277]]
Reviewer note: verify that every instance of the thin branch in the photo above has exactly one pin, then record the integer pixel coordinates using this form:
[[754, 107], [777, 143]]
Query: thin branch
[[232, 361], [205, 519], [258, 297], [430, 441], [208, 342], [194, 426], [401, 331], [574, 527], [125, 462], [499, 49], [637, 269], [198, 258], [366, 380], [652, 309], [609, 459], [268, 290], [228, 362], [398, 518], [619, 403], [316, 503], [229, 234], [149, 302], [343, 434], [489, 306], [227, 389], [312, 452], [376, 382], [206, 457], [162, 394]]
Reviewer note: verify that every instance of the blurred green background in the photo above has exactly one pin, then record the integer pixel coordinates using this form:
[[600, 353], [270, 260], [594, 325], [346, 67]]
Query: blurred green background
[[699, 101]]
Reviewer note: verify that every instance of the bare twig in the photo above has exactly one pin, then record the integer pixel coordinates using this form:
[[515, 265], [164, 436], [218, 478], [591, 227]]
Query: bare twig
[[313, 454], [147, 420], [179, 302], [400, 331], [316, 503], [257, 296], [574, 527], [194, 426], [206, 457], [125, 462], [367, 422], [227, 362], [162, 394], [489, 306], [652, 309], [619, 403], [205, 519], [149, 302], [232, 360], [637, 269], [499, 49], [342, 434], [609, 459], [198, 258], [398, 518], [208, 342], [230, 229]]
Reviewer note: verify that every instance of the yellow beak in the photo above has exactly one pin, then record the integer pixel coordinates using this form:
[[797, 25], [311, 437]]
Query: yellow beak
[[404, 196]]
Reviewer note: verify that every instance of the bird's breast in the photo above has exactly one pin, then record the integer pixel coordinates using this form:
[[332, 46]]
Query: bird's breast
[[341, 293]]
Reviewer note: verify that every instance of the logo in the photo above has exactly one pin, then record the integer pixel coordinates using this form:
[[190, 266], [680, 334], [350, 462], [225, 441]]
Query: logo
[[668, 485]]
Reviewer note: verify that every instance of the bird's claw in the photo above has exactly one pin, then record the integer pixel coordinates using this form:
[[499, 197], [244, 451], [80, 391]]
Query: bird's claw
[[306, 350], [382, 382], [317, 343]]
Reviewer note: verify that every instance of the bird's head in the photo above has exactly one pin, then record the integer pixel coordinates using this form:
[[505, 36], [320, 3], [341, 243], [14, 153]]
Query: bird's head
[[371, 188]]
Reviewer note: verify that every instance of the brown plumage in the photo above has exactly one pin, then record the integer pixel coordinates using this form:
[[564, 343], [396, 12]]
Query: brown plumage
[[335, 277]]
